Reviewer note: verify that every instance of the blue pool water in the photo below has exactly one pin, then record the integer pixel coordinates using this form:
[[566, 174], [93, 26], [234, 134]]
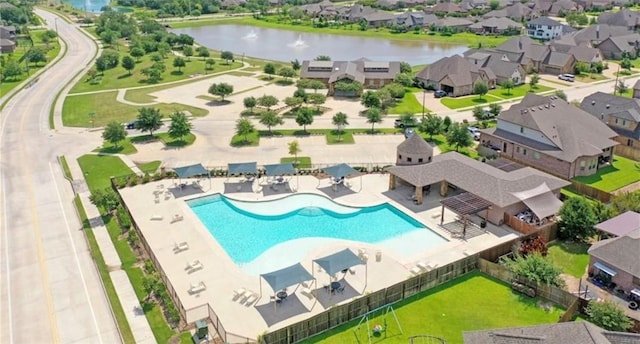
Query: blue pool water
[[247, 229]]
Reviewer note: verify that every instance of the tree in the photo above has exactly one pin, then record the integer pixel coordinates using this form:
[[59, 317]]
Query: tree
[[608, 315], [371, 99], [270, 119], [179, 62], [446, 123], [374, 115], [150, 284], [507, 85], [155, 57], [114, 132], [137, 53], [458, 136], [533, 81], [404, 79], [187, 51], [267, 101], [128, 63], [323, 58], [203, 52], [295, 65], [494, 4], [626, 201], [11, 70], [408, 119], [480, 88], [560, 94], [536, 268], [37, 55], [244, 127], [105, 198], [621, 87], [304, 118], [270, 69], [405, 68], [626, 63], [576, 219], [149, 119], [340, 121], [227, 56], [431, 124], [209, 64], [180, 125], [222, 89], [286, 73], [494, 109], [294, 103], [294, 149], [479, 113], [249, 103], [363, 25], [316, 99]]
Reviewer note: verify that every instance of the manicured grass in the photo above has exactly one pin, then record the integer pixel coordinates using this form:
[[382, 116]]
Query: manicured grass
[[441, 142], [465, 38], [408, 104], [568, 192], [98, 168], [519, 91], [252, 139], [571, 257], [103, 271], [171, 142], [119, 78], [8, 84], [590, 77], [467, 101], [124, 147], [75, 110], [621, 172], [627, 94], [335, 138], [471, 302], [299, 162], [65, 168], [150, 167]]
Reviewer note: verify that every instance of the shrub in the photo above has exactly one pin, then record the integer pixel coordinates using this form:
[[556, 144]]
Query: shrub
[[133, 180], [533, 245], [123, 218], [146, 178]]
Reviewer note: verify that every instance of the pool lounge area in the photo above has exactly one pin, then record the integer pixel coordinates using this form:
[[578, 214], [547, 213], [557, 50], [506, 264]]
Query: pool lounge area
[[205, 278]]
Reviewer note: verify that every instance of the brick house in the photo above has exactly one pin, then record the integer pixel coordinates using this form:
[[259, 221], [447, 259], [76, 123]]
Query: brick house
[[616, 261], [371, 74], [553, 136], [455, 75]]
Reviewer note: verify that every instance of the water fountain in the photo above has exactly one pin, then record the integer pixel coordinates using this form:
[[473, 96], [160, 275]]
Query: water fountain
[[251, 35], [299, 43]]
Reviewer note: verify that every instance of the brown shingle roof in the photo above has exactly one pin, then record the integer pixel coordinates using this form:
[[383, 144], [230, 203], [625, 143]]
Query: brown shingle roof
[[414, 144], [621, 252]]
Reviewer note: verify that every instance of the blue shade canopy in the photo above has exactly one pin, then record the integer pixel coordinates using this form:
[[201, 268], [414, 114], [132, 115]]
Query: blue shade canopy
[[287, 277], [339, 171], [279, 169], [338, 261], [191, 171], [243, 168]]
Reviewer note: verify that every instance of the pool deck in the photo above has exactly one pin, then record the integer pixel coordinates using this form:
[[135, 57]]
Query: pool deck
[[166, 221]]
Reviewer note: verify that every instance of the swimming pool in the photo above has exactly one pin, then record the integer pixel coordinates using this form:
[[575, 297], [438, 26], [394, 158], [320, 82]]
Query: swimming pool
[[247, 229]]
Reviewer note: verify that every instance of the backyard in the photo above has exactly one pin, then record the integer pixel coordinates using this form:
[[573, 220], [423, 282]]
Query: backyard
[[467, 303], [570, 257], [621, 172]]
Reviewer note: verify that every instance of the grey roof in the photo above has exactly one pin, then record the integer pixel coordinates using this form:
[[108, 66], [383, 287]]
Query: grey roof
[[573, 132], [446, 7], [243, 168], [621, 252], [336, 70], [558, 59], [497, 23], [191, 171], [485, 181], [279, 169], [620, 225], [414, 144], [378, 16], [516, 11], [626, 42], [287, 277], [453, 21], [584, 54], [544, 21], [598, 33], [624, 17], [603, 105], [338, 261], [339, 171], [574, 332], [504, 69], [636, 86], [457, 68]]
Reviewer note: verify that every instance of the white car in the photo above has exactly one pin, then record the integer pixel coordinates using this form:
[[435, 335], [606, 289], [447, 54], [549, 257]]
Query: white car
[[474, 132], [567, 77]]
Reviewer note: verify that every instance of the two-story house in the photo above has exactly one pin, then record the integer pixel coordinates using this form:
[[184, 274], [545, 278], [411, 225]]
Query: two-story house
[[622, 115], [553, 136], [544, 28]]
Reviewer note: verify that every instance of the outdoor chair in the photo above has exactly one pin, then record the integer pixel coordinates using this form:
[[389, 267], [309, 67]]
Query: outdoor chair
[[238, 293], [251, 299]]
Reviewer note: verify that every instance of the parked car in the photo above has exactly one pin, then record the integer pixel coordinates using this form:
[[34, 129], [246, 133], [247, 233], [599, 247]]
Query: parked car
[[131, 125], [439, 93], [475, 132], [567, 77], [398, 123]]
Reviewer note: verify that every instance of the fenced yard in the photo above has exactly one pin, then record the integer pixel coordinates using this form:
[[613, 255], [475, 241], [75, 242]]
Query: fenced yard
[[467, 303], [621, 172]]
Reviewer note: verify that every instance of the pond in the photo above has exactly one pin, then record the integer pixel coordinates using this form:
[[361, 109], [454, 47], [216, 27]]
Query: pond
[[285, 46], [88, 5]]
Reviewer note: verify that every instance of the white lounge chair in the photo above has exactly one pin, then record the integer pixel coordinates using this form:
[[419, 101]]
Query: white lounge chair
[[251, 298], [307, 292], [239, 293], [177, 218], [157, 218], [195, 266], [179, 247], [197, 288]]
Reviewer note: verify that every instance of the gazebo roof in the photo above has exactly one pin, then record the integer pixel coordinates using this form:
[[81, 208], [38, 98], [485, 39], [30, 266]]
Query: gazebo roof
[[339, 171], [415, 144]]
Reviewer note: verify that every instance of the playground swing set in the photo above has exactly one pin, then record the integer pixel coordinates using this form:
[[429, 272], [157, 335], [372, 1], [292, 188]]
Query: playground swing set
[[376, 330]]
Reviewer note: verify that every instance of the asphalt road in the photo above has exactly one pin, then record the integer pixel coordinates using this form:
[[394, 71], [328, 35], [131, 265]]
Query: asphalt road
[[50, 291]]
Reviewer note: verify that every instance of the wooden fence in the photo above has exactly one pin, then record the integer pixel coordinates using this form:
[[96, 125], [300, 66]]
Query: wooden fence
[[627, 152], [590, 191], [548, 233], [338, 315]]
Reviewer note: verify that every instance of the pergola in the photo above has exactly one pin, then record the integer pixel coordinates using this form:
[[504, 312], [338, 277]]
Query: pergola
[[464, 204], [340, 261]]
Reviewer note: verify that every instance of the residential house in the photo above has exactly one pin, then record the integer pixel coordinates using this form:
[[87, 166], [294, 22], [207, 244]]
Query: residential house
[[453, 23], [584, 54], [620, 225], [7, 39], [413, 19], [371, 74], [314, 10], [581, 332], [616, 261], [495, 26], [636, 89], [504, 193], [553, 136], [355, 13], [455, 75], [398, 4], [445, 7], [622, 115], [563, 7], [625, 18], [518, 12], [543, 7], [544, 28], [536, 57], [501, 67], [620, 46], [379, 18], [594, 34]]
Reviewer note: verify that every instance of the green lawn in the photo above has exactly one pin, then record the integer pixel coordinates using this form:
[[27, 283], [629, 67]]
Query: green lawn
[[467, 101], [441, 142], [124, 147], [590, 77], [408, 104], [119, 78], [98, 168], [571, 257], [622, 172], [299, 162], [171, 142], [519, 91], [76, 109], [150, 167], [471, 302]]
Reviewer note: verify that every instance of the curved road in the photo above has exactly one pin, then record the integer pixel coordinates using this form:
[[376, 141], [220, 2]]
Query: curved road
[[50, 291]]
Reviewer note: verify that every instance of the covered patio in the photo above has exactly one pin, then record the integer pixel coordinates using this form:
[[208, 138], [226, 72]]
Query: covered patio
[[465, 204]]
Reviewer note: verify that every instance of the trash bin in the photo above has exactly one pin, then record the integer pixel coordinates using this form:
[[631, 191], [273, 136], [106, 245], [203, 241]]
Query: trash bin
[[378, 256]]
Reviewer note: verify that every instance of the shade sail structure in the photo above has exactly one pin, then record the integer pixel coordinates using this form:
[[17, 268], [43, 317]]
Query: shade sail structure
[[287, 277], [543, 205], [279, 169], [465, 203], [243, 168], [339, 171], [607, 270], [191, 171], [338, 261], [620, 225]]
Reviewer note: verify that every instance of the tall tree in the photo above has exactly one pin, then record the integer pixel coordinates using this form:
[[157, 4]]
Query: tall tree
[[608, 315], [340, 121], [221, 90], [371, 99], [270, 69], [227, 56], [128, 63], [187, 51], [270, 119], [244, 127], [431, 124], [480, 88], [304, 117], [316, 99], [209, 64], [374, 115], [179, 62], [458, 136], [494, 109], [507, 85], [536, 268], [249, 103], [114, 132], [267, 101], [180, 125], [11, 70], [295, 64], [533, 81], [203, 52], [137, 53], [294, 149], [576, 219], [149, 119]]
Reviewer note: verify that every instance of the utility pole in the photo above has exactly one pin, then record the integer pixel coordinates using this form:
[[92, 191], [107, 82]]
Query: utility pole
[[615, 87]]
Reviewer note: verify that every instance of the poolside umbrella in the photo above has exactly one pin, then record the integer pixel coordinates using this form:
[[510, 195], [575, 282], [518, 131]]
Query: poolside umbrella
[[192, 171], [340, 261], [340, 171], [280, 170], [244, 168], [286, 277]]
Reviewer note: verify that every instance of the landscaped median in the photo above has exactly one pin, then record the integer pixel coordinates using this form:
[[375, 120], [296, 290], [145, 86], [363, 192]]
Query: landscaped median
[[333, 136]]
